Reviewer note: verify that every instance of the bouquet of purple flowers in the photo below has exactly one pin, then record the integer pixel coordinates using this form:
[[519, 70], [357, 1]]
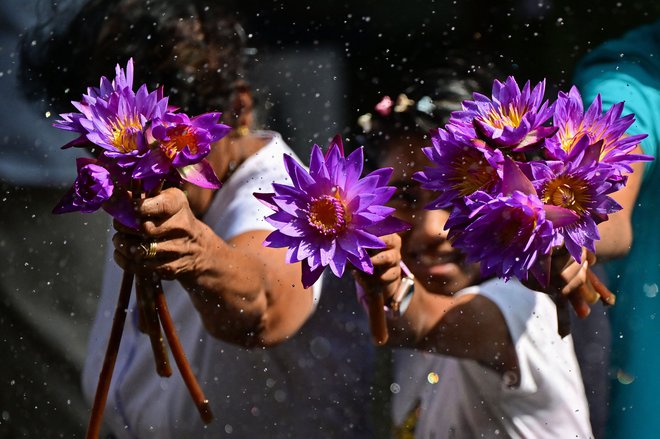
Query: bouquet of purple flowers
[[142, 143], [522, 176], [330, 216]]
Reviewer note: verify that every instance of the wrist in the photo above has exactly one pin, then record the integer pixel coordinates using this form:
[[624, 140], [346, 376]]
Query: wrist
[[397, 305]]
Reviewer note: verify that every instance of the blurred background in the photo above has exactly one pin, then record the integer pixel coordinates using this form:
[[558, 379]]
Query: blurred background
[[316, 66]]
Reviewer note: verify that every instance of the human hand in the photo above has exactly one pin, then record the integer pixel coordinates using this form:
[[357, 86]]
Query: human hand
[[381, 285], [570, 280], [386, 277], [166, 220], [574, 283]]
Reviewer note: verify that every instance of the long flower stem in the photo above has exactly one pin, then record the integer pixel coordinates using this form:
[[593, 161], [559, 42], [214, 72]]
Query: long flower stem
[[180, 357], [377, 319], [146, 287], [105, 376], [150, 324], [606, 296]]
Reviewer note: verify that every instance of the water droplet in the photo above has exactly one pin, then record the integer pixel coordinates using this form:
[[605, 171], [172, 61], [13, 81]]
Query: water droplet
[[624, 378], [650, 290]]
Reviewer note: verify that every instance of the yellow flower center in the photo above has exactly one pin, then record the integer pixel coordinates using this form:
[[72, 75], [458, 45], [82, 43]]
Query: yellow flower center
[[471, 175], [569, 136], [567, 192], [180, 137], [510, 116], [125, 133]]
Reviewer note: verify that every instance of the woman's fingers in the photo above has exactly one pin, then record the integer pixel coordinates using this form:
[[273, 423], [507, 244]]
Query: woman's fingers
[[580, 305], [575, 276], [165, 204]]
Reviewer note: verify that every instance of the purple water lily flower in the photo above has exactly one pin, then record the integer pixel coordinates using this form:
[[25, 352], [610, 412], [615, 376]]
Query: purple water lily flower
[[71, 121], [182, 144], [512, 119], [93, 187], [509, 233], [461, 168], [574, 123], [582, 185], [100, 184], [114, 117], [331, 216]]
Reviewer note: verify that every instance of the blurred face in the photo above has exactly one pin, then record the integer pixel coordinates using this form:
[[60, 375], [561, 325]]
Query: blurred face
[[425, 248]]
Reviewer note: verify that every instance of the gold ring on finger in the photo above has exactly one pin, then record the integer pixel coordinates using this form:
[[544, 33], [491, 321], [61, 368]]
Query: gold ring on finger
[[150, 252]]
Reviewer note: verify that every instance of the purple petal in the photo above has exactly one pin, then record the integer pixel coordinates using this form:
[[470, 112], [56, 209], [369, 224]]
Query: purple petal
[[560, 216], [121, 208], [298, 174], [276, 239], [327, 251], [310, 276], [387, 226], [367, 240], [267, 200], [200, 174], [361, 262], [66, 204], [155, 162], [305, 250], [317, 167], [513, 179], [338, 262]]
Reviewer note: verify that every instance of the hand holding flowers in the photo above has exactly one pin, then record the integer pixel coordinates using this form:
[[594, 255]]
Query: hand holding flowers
[[505, 173], [144, 144]]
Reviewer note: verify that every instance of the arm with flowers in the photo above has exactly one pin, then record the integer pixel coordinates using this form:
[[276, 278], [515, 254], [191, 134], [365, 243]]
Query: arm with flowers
[[526, 196], [243, 294], [242, 291], [566, 172], [453, 310], [143, 140]]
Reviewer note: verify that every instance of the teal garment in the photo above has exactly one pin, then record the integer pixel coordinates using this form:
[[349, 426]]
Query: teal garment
[[628, 69]]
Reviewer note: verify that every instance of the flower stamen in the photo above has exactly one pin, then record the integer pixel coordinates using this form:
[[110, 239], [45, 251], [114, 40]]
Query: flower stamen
[[471, 176], [179, 138], [125, 133], [567, 192], [327, 215], [505, 117]]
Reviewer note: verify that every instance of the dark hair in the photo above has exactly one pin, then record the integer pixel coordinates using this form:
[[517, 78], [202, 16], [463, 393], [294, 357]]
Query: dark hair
[[195, 51], [423, 104]]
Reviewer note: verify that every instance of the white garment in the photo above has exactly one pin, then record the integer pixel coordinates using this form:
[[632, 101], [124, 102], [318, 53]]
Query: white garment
[[472, 401], [290, 390]]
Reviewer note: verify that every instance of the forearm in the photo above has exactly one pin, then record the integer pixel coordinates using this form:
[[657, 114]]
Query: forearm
[[241, 297], [616, 237], [469, 326], [616, 234], [244, 292], [423, 313]]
